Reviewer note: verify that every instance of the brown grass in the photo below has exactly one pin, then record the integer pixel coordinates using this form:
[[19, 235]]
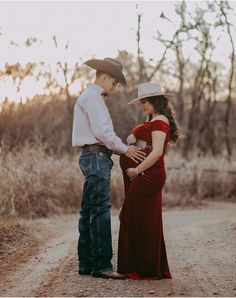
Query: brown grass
[[202, 177], [35, 184]]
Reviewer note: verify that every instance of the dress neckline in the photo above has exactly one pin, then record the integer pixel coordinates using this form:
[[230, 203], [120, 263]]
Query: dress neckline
[[158, 120]]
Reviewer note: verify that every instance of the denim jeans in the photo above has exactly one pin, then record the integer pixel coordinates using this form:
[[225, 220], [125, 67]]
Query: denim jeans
[[95, 243]]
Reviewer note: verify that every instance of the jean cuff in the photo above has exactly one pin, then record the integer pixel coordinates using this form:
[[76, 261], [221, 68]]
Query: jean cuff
[[107, 269]]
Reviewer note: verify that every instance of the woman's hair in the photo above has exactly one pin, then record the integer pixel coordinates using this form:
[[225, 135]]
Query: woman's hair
[[162, 106]]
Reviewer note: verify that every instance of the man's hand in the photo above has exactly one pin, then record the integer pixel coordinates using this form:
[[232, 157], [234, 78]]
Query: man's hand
[[135, 154]]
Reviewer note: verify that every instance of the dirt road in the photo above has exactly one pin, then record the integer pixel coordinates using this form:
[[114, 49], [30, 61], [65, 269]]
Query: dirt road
[[200, 245]]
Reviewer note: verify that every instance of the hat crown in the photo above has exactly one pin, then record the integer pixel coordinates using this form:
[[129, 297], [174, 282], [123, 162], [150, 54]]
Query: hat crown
[[115, 62], [150, 89], [110, 66], [147, 89]]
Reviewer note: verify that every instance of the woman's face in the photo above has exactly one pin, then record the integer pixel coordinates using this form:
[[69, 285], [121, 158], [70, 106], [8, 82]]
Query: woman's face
[[147, 107]]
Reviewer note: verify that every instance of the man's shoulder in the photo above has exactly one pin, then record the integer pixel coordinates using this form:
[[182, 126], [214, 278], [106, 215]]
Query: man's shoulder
[[90, 93], [84, 94], [87, 96]]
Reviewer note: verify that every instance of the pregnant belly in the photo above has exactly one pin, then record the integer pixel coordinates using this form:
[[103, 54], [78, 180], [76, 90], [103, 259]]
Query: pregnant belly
[[126, 162]]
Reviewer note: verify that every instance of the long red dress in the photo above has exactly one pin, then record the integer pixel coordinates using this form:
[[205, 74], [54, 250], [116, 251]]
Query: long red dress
[[141, 247]]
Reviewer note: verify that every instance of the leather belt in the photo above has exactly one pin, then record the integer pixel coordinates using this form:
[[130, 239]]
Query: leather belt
[[97, 148]]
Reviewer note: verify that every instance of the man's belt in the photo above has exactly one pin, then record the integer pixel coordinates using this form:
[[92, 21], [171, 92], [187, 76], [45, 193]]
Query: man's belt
[[97, 148]]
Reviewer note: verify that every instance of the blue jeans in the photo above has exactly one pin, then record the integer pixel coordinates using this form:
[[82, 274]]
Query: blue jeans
[[95, 243]]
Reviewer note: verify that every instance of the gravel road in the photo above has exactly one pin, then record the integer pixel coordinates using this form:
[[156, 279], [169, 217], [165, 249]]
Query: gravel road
[[200, 246]]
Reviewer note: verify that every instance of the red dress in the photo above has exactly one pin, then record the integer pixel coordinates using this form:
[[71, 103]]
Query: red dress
[[141, 247]]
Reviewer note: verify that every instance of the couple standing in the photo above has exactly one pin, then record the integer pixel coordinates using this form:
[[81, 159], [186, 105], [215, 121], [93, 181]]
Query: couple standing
[[141, 247]]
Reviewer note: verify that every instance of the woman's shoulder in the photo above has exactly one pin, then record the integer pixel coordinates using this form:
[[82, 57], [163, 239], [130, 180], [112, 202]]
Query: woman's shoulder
[[162, 118], [160, 123]]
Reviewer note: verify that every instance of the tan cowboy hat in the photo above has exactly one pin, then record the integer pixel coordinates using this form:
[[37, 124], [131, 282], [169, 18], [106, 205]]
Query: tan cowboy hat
[[148, 90], [109, 66]]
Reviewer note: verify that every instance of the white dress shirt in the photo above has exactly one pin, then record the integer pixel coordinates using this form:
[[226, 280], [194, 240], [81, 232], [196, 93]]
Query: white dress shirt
[[92, 122]]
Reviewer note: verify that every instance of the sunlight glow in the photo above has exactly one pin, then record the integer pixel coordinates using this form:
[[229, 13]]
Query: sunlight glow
[[86, 29]]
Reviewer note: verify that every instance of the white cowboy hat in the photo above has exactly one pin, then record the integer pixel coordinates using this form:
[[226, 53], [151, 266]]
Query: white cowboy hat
[[148, 90], [110, 66]]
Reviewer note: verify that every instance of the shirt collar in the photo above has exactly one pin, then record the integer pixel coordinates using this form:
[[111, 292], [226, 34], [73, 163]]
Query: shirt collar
[[97, 88]]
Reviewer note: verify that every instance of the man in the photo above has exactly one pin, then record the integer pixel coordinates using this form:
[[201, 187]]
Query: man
[[93, 131]]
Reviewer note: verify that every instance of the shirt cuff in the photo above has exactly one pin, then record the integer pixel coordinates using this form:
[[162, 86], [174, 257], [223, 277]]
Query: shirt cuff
[[124, 149]]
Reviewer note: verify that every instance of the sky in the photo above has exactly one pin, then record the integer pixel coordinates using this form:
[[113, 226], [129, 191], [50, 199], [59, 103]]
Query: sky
[[91, 29]]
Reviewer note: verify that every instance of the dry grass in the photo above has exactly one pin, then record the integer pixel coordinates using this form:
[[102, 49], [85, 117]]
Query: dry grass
[[35, 184], [201, 177]]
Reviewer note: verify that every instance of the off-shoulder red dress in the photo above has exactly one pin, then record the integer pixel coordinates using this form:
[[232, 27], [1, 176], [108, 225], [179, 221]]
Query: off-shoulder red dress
[[141, 247]]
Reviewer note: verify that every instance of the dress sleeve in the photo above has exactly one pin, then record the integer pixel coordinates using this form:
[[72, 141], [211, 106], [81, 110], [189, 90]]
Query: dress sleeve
[[135, 131], [160, 125]]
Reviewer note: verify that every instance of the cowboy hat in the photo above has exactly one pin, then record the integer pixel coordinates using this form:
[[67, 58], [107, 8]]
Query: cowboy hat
[[148, 90], [109, 66]]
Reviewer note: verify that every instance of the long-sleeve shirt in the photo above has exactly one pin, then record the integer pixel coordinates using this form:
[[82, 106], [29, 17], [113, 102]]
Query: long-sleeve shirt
[[92, 123]]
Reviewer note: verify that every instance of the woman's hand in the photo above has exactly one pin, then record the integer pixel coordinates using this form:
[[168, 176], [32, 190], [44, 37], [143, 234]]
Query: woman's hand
[[132, 173], [131, 139]]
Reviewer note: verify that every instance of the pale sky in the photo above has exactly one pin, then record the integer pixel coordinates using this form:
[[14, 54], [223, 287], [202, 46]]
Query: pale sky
[[93, 28]]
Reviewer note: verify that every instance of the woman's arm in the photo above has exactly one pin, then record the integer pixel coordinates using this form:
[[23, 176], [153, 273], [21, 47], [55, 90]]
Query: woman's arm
[[158, 141]]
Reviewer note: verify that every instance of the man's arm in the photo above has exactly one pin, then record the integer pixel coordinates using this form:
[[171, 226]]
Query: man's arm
[[102, 128]]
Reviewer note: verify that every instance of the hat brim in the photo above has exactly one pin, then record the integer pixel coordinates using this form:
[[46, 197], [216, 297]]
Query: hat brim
[[108, 68], [167, 95]]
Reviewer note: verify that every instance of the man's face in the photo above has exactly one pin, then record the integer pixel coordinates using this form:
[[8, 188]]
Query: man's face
[[109, 84]]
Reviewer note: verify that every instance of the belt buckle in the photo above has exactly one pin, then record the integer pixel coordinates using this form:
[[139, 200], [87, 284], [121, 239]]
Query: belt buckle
[[107, 152], [100, 153]]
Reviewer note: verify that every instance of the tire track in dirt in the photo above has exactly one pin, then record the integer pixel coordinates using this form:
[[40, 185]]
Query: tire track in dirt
[[25, 275]]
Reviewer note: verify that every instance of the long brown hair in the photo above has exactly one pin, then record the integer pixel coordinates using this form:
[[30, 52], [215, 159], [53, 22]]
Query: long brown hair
[[161, 105]]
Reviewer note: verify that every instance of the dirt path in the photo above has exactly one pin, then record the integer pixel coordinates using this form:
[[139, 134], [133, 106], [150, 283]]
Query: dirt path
[[200, 246]]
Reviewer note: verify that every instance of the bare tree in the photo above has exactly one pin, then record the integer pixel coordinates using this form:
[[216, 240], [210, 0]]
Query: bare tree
[[198, 83], [224, 8]]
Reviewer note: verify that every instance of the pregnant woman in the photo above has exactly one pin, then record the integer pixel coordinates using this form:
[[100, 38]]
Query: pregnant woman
[[141, 248]]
